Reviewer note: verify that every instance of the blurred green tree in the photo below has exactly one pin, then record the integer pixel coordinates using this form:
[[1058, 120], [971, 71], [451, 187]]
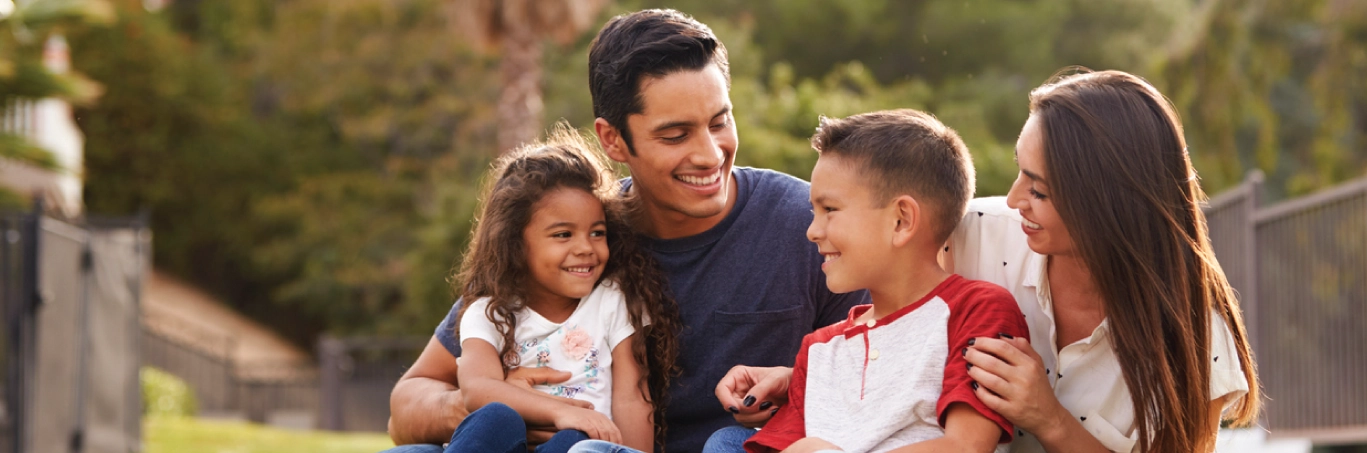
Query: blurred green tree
[[517, 30]]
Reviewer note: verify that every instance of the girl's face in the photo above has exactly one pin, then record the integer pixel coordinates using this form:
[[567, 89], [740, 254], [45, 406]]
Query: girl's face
[[567, 245], [1031, 195]]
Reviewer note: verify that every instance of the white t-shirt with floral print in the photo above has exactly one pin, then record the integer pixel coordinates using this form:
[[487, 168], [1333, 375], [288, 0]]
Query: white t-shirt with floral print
[[582, 345]]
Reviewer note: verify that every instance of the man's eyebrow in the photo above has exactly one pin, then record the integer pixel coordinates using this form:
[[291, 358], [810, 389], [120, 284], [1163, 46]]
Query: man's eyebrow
[[674, 124]]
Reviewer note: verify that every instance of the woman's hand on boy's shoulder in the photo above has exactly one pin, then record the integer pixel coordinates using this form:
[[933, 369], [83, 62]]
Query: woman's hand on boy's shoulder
[[753, 394]]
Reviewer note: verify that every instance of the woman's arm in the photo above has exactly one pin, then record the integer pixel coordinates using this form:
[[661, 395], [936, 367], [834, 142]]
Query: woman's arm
[[481, 377], [631, 412], [1011, 381]]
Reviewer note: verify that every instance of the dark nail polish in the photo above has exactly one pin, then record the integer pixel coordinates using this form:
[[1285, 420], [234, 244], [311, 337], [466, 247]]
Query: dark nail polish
[[1005, 335], [749, 401], [965, 352], [733, 410], [772, 412], [970, 366], [971, 341], [974, 384], [765, 405]]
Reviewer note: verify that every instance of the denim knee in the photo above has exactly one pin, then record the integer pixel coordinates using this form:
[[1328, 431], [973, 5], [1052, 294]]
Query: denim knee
[[730, 439]]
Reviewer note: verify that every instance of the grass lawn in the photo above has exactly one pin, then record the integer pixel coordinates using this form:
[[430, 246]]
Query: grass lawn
[[183, 434]]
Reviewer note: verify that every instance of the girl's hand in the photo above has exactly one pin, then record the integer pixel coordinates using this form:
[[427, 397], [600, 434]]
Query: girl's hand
[[1012, 381], [591, 422], [810, 444]]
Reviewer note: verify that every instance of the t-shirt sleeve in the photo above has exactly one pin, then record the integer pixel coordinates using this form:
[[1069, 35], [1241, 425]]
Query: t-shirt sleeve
[[1226, 374], [618, 321], [789, 424], [475, 324], [981, 309], [446, 330]]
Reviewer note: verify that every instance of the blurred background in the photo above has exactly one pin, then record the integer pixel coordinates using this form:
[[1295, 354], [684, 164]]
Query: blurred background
[[299, 176]]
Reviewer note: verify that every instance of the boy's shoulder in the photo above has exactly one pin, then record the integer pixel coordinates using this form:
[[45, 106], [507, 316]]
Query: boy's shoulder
[[964, 291]]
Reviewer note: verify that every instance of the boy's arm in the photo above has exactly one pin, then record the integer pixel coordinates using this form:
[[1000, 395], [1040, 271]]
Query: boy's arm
[[966, 430], [632, 413], [481, 378]]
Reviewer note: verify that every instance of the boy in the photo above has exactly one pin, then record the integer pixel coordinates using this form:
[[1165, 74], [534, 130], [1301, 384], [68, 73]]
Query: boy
[[887, 190]]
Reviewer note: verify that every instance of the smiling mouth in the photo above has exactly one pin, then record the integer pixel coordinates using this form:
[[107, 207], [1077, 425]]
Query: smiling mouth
[[829, 257], [700, 180], [579, 270], [1031, 225]]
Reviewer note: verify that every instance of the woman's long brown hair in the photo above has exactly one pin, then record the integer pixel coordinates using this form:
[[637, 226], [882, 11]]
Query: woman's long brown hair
[[495, 264], [1123, 183]]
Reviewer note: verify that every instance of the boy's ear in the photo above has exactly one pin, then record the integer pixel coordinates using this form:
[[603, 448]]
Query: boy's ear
[[611, 139], [908, 214]]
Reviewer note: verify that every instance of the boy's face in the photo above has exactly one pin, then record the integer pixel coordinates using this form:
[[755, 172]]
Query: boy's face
[[685, 143], [853, 235]]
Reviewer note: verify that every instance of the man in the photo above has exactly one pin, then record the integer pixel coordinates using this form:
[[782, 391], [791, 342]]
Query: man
[[731, 240]]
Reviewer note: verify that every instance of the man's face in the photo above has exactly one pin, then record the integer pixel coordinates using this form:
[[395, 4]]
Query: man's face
[[685, 144]]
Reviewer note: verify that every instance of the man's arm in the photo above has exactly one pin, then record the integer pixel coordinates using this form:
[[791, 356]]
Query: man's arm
[[426, 404]]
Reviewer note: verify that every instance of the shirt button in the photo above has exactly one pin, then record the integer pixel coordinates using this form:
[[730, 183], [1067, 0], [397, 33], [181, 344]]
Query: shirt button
[[870, 323], [873, 354]]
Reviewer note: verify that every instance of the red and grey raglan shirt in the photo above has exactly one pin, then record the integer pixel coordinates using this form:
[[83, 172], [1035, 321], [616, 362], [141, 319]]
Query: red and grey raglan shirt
[[887, 383]]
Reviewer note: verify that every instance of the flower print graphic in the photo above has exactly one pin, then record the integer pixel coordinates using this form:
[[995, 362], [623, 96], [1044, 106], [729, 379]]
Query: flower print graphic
[[576, 343], [543, 358]]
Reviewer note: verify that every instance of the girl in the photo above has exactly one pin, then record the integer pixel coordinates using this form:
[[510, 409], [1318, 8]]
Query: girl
[[555, 279]]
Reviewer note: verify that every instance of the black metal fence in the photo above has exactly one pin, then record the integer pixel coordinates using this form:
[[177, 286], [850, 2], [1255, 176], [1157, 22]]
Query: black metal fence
[[1300, 267], [357, 375], [70, 295]]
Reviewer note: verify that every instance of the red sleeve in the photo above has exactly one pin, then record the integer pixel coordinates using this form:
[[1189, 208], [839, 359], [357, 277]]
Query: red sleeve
[[789, 424], [977, 309]]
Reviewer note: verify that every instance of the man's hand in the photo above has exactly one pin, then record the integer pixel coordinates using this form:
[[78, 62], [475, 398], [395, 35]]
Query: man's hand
[[754, 394]]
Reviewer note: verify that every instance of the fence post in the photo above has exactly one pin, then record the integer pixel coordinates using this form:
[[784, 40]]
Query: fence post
[[1254, 186], [330, 353]]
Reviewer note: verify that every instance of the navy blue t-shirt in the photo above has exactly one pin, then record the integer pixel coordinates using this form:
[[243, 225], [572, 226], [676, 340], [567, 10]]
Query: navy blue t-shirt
[[748, 290]]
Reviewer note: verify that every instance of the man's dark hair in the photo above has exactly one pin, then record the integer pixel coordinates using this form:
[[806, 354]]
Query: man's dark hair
[[905, 152], [649, 43]]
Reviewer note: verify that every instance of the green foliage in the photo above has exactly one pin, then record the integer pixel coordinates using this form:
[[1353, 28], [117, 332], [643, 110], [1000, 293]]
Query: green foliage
[[317, 162], [17, 148], [165, 395]]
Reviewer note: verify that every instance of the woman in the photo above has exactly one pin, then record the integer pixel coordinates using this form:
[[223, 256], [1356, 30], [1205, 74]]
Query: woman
[[1137, 343]]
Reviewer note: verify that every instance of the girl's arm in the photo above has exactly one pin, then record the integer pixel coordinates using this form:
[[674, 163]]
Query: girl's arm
[[630, 410], [481, 378]]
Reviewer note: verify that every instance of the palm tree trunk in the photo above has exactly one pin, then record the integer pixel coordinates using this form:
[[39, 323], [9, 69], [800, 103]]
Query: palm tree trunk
[[519, 105]]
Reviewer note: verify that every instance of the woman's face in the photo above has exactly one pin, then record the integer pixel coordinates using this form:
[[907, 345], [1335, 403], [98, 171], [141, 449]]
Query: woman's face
[[1032, 196]]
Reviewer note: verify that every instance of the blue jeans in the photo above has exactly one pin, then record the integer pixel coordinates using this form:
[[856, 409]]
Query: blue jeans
[[495, 428], [730, 439], [601, 446]]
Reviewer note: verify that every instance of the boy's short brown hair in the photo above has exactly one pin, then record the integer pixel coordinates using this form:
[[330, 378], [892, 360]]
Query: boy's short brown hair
[[905, 152]]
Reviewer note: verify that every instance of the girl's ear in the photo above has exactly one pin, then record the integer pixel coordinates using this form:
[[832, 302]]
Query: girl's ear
[[907, 212], [611, 139]]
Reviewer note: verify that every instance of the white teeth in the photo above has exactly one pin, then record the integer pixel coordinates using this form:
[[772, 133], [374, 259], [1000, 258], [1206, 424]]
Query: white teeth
[[581, 270], [1032, 225], [829, 257], [700, 181]]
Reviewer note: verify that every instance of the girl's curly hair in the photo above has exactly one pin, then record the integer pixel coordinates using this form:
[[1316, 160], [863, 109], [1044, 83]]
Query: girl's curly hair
[[495, 264]]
